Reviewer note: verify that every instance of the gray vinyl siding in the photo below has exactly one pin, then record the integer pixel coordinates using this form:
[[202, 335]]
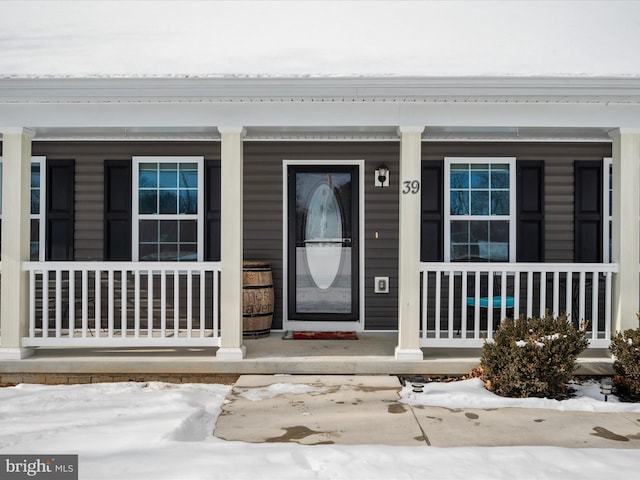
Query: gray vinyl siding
[[559, 190], [89, 190], [263, 198]]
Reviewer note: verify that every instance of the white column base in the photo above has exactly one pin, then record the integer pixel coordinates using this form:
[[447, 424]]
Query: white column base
[[16, 353], [409, 354], [228, 353]]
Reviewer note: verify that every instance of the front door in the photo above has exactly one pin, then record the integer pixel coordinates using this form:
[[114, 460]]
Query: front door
[[323, 246]]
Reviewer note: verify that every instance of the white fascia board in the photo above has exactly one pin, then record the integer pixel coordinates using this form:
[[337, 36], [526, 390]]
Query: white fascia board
[[363, 115], [256, 89]]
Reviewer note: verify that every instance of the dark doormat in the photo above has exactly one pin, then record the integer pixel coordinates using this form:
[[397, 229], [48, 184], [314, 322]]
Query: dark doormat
[[320, 336]]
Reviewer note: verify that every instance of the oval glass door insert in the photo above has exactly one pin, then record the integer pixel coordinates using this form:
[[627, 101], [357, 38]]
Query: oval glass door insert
[[323, 236]]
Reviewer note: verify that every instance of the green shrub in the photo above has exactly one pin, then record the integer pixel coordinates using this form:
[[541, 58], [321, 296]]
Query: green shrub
[[533, 357], [625, 347]]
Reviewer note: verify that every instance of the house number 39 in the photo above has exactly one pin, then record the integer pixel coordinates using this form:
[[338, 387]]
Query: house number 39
[[410, 186]]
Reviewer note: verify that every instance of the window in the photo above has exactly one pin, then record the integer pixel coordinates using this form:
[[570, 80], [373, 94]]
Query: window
[[167, 209], [480, 209], [37, 206]]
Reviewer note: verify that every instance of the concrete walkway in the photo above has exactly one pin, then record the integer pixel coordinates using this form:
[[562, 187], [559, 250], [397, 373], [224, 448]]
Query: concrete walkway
[[344, 409]]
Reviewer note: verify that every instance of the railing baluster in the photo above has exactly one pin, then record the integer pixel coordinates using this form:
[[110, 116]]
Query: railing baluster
[[72, 303], [150, 305], [215, 304], [163, 303], [476, 308], [425, 302], [189, 303], [529, 294], [32, 304], [490, 278], [516, 295], [176, 303], [503, 295], [556, 293], [594, 304], [438, 293], [581, 303], [136, 304], [607, 305], [569, 295], [123, 303], [463, 303], [85, 302], [98, 301], [110, 311], [450, 306], [543, 294], [58, 290], [45, 303], [202, 305]]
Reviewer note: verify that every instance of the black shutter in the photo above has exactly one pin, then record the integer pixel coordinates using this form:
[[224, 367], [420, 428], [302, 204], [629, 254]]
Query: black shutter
[[117, 210], [60, 209], [530, 211], [432, 211], [212, 210], [587, 211]]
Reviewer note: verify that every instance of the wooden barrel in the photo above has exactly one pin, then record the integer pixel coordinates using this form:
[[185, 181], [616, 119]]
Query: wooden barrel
[[257, 299]]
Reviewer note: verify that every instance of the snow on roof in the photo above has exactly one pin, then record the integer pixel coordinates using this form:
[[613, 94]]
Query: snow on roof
[[319, 39]]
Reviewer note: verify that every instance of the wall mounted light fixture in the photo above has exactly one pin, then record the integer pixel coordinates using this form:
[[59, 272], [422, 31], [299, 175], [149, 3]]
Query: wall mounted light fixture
[[382, 176]]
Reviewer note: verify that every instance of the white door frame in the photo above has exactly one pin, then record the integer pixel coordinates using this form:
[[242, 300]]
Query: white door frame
[[320, 326]]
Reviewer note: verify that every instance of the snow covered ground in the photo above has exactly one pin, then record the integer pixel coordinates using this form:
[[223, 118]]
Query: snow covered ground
[[163, 431]]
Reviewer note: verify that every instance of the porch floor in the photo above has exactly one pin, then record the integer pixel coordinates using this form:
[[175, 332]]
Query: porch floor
[[372, 354]]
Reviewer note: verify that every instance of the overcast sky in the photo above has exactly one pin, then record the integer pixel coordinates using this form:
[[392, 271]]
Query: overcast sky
[[86, 38]]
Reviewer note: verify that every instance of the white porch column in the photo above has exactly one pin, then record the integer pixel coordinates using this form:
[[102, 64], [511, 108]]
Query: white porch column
[[409, 246], [625, 234], [16, 197], [231, 347]]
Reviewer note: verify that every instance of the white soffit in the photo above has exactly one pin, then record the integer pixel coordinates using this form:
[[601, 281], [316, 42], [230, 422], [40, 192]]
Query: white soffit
[[335, 134]]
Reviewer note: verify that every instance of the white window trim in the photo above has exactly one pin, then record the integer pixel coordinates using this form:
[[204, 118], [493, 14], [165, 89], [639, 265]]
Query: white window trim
[[607, 163], [42, 161], [136, 216], [511, 161]]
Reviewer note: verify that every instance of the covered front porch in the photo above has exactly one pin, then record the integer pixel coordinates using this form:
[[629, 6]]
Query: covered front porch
[[52, 309]]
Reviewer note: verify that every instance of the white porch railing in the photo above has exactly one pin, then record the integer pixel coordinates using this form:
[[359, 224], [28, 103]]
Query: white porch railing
[[123, 304], [463, 303]]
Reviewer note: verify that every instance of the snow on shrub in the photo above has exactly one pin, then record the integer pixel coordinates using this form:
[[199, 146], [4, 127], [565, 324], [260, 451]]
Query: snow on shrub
[[625, 347], [532, 357]]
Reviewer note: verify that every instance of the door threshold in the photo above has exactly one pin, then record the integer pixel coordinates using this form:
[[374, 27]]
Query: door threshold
[[320, 326]]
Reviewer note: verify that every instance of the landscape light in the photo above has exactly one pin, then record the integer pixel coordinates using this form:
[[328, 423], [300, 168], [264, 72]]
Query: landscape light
[[606, 387]]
